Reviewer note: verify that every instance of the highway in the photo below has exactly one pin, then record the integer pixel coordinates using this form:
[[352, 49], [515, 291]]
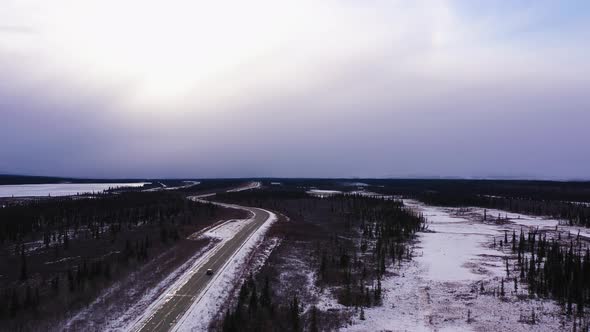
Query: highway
[[166, 316]]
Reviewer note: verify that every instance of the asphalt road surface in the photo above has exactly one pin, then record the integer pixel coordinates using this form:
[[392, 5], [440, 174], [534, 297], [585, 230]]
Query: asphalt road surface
[[168, 313]]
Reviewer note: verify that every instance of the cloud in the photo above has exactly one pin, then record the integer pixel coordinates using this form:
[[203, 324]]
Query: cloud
[[293, 88]]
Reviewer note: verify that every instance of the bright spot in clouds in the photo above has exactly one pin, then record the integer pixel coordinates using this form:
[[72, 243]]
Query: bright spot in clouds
[[170, 50], [163, 52]]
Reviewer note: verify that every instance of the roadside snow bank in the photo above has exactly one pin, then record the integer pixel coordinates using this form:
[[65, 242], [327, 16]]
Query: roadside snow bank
[[202, 311], [221, 233]]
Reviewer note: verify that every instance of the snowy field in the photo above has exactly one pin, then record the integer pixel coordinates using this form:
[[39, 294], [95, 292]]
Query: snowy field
[[440, 289], [61, 189]]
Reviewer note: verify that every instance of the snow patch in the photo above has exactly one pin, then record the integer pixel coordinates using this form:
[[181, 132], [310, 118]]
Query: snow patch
[[249, 186], [439, 289], [323, 193]]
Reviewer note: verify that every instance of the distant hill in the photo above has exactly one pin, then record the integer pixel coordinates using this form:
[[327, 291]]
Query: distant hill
[[27, 179], [23, 179]]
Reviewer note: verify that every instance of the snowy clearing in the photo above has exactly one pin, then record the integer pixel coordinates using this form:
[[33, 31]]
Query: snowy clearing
[[516, 219], [439, 289]]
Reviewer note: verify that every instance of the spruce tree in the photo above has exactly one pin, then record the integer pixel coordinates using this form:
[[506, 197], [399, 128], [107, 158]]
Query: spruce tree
[[314, 320], [253, 306], [295, 313], [23, 270]]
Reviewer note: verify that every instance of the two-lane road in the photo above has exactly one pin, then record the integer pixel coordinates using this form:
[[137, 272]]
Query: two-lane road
[[166, 316]]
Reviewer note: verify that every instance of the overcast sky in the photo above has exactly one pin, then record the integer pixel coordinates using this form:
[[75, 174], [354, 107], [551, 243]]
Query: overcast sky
[[295, 88]]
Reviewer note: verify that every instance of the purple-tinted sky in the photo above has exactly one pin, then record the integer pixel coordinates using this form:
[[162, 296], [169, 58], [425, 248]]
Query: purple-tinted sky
[[296, 88]]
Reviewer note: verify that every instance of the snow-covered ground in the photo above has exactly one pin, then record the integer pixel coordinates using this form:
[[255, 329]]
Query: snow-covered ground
[[249, 186], [453, 246], [323, 193], [61, 189], [365, 193], [587, 204], [515, 220], [440, 288]]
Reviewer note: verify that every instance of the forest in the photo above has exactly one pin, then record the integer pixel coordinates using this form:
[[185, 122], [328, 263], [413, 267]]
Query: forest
[[569, 191], [58, 254], [348, 241], [569, 201], [574, 213], [558, 267]]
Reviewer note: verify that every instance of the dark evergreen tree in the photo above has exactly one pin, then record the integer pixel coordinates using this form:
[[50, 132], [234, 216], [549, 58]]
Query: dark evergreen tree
[[24, 275]]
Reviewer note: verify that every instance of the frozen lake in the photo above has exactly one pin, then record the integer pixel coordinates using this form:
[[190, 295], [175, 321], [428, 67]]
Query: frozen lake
[[60, 189]]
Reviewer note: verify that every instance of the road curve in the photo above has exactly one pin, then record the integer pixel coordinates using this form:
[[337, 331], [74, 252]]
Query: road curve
[[166, 316]]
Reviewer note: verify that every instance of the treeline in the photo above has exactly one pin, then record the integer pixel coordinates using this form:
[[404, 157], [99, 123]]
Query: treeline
[[575, 213], [533, 190], [58, 218], [576, 191], [557, 268], [7, 179]]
